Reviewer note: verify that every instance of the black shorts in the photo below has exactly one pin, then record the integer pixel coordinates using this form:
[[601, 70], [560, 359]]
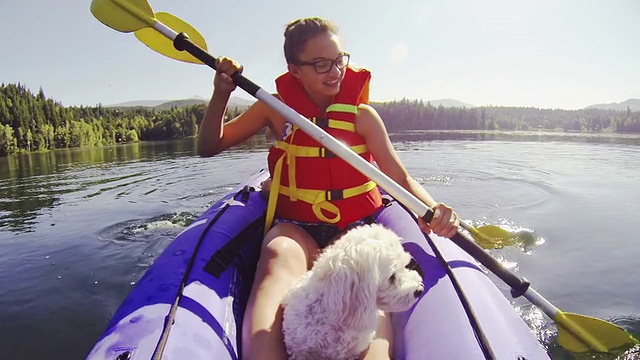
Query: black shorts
[[323, 233]]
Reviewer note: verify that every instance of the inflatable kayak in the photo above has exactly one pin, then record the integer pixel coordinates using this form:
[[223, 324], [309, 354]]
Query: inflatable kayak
[[190, 302]]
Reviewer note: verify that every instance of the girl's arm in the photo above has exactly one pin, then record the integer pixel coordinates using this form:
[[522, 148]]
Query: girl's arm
[[370, 126], [214, 135]]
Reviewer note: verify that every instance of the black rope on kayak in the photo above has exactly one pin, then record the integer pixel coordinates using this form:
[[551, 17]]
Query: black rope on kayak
[[481, 336], [169, 320]]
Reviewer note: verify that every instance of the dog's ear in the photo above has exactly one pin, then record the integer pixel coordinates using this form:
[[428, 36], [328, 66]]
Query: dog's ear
[[352, 287]]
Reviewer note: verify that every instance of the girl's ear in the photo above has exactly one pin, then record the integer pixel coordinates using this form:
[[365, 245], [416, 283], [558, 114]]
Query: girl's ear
[[294, 70]]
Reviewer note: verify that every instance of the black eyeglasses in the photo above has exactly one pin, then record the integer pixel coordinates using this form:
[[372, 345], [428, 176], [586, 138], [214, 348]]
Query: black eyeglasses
[[323, 66]]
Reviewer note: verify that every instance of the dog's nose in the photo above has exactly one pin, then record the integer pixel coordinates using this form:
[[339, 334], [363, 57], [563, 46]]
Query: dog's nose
[[418, 292]]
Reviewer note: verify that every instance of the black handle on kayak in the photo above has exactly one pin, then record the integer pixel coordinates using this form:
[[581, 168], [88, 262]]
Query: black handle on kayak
[[518, 285]]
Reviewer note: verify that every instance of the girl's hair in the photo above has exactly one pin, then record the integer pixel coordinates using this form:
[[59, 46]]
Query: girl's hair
[[299, 31]]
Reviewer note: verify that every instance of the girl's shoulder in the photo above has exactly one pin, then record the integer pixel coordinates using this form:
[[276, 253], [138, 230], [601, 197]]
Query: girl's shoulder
[[366, 112]]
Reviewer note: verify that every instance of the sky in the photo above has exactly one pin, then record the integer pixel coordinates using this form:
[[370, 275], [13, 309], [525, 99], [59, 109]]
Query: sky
[[565, 54]]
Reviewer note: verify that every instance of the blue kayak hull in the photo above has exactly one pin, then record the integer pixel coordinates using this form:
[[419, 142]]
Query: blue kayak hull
[[461, 315]]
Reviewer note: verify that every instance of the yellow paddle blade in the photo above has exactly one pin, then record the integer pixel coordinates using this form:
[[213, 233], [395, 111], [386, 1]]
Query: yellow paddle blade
[[123, 15], [158, 42], [580, 333], [491, 237]]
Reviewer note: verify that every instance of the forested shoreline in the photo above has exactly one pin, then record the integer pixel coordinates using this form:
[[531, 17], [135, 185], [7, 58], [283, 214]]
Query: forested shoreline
[[406, 115], [33, 122]]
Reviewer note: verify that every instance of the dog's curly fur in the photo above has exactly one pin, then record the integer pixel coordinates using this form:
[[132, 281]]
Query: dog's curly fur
[[332, 311]]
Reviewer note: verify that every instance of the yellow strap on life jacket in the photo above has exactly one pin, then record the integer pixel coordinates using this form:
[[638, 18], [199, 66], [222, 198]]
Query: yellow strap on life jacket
[[313, 151], [348, 108], [319, 199], [291, 162], [336, 124], [273, 195]]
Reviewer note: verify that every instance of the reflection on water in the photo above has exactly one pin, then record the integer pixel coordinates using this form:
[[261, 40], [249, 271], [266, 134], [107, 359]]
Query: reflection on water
[[79, 227], [32, 184], [547, 333], [541, 136]]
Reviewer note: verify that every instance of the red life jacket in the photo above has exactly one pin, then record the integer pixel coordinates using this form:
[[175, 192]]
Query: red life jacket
[[312, 184]]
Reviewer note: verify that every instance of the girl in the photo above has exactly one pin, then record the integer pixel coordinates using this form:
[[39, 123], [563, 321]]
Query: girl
[[318, 196]]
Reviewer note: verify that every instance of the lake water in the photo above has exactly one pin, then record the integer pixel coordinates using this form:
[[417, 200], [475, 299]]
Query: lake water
[[79, 227]]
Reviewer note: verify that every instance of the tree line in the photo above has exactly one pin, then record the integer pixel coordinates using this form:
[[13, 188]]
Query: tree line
[[33, 122], [417, 115]]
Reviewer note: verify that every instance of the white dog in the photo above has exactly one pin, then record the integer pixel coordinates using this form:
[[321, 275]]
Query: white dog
[[332, 311]]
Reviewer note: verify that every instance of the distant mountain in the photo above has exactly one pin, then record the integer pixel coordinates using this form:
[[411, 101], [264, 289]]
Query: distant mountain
[[450, 103], [633, 104], [239, 102], [179, 103], [167, 104], [245, 103], [135, 103]]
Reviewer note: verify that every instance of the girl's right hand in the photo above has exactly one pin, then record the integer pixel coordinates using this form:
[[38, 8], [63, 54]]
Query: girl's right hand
[[222, 81], [444, 223]]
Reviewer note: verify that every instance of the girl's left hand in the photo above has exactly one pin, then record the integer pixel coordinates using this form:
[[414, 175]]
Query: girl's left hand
[[445, 221]]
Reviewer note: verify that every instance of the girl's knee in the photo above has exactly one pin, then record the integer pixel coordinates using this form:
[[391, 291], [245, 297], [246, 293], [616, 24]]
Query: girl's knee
[[288, 247]]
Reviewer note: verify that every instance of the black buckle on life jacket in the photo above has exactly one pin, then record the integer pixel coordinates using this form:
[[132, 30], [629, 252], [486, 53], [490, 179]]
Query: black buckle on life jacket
[[321, 122], [326, 153], [335, 195]]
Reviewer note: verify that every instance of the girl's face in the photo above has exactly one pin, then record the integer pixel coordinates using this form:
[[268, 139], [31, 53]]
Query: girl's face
[[321, 53]]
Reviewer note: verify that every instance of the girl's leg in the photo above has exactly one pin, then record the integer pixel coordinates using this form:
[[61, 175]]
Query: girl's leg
[[287, 253], [381, 346]]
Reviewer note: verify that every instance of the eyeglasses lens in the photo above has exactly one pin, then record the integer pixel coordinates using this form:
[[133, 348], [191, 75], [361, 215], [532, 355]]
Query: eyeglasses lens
[[324, 66]]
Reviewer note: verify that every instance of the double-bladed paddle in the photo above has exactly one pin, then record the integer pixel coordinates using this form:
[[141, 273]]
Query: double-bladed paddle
[[157, 32], [175, 38]]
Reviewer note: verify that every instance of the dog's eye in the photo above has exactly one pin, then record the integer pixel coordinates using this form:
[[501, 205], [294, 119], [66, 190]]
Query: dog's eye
[[413, 265], [392, 279]]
